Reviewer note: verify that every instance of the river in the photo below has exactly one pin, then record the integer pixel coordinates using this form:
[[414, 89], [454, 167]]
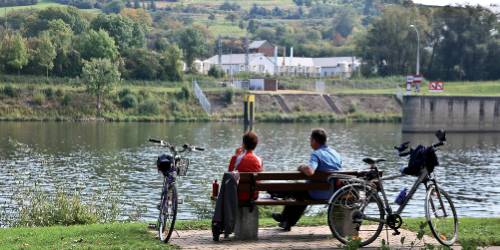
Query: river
[[88, 155]]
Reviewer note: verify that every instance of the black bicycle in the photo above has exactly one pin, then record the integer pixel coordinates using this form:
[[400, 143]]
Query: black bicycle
[[170, 165], [360, 200]]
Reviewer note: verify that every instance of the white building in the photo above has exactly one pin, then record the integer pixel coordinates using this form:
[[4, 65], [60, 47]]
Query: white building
[[278, 65], [235, 63]]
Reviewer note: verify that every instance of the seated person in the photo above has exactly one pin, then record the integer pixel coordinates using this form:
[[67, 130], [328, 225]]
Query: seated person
[[244, 160], [323, 159]]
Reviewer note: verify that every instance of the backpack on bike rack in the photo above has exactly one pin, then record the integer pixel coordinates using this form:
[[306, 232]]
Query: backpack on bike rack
[[421, 157]]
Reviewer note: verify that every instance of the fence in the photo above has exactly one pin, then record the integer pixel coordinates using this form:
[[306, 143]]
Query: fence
[[205, 104]]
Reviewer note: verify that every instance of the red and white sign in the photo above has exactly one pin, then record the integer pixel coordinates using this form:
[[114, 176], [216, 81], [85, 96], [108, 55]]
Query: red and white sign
[[436, 86], [417, 79]]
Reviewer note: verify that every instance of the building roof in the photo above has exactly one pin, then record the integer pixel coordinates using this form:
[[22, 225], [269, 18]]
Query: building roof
[[256, 44], [334, 61], [239, 59], [234, 58]]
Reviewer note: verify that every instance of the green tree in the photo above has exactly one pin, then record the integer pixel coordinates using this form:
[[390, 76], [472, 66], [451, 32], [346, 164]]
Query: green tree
[[463, 38], [61, 36], [344, 22], [389, 45], [97, 44], [171, 61], [141, 63], [231, 17], [99, 76], [125, 32], [44, 52], [14, 52], [192, 41]]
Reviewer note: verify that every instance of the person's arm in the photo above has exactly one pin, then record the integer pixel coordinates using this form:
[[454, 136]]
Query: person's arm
[[306, 170], [311, 168]]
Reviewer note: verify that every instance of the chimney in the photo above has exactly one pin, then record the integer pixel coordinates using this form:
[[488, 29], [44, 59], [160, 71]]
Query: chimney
[[276, 60], [284, 55], [291, 55]]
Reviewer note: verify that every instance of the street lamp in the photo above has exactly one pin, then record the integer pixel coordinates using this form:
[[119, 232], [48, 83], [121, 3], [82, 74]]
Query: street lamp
[[418, 49]]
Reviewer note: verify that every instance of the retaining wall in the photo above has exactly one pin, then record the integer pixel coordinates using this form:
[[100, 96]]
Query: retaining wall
[[453, 113]]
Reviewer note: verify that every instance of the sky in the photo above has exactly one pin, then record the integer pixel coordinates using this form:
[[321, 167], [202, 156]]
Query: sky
[[493, 5]]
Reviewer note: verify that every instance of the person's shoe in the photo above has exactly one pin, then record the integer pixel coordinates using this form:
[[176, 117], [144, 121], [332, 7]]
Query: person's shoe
[[277, 217], [285, 226]]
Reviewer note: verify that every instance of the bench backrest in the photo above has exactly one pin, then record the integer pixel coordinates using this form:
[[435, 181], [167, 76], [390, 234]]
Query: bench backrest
[[285, 181]]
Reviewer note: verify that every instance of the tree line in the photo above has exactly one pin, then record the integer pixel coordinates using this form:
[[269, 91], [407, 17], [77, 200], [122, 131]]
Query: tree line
[[456, 43], [59, 41]]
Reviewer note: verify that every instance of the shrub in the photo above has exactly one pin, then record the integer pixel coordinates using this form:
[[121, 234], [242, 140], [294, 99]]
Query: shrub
[[149, 107], [229, 96], [49, 93], [122, 93], [184, 93], [128, 101], [11, 91], [66, 100], [216, 72], [59, 93], [38, 98], [174, 105]]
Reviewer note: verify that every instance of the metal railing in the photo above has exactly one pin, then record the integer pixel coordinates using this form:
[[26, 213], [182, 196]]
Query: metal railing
[[205, 104]]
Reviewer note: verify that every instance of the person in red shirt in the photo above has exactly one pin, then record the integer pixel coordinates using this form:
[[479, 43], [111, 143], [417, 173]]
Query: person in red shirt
[[244, 160]]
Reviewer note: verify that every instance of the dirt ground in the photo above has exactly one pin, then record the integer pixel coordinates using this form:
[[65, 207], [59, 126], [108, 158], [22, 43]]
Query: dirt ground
[[302, 101]]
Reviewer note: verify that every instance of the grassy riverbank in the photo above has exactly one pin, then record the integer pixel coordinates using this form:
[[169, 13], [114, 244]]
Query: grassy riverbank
[[25, 98], [480, 231]]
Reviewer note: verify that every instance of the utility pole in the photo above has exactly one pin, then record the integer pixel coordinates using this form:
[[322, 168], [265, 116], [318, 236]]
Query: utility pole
[[418, 49]]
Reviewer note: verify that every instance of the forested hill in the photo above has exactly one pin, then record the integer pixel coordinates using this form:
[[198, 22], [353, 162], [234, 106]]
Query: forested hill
[[150, 39]]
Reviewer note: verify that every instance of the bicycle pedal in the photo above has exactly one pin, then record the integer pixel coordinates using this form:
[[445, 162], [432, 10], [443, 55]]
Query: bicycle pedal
[[396, 233], [180, 201]]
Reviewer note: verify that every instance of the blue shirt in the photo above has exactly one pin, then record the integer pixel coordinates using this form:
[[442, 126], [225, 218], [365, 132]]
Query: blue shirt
[[324, 159]]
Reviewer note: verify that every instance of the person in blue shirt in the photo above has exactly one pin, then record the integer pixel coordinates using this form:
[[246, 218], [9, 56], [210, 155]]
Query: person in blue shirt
[[323, 159]]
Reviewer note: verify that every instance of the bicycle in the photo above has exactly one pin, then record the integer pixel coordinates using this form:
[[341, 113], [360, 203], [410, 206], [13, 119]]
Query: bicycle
[[360, 200], [170, 165]]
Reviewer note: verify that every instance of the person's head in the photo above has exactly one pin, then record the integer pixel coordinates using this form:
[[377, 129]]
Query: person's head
[[250, 140], [318, 138]]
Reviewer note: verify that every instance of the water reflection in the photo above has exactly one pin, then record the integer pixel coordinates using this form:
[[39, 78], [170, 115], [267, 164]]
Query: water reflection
[[93, 153]]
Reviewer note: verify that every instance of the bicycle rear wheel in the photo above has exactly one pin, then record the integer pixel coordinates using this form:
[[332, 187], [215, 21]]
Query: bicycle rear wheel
[[168, 213], [348, 211], [441, 216]]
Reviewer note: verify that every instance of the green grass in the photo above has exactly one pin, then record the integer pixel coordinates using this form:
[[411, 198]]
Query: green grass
[[475, 231], [480, 231], [98, 236], [42, 4]]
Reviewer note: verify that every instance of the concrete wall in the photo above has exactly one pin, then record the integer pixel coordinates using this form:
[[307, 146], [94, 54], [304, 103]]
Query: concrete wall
[[452, 113]]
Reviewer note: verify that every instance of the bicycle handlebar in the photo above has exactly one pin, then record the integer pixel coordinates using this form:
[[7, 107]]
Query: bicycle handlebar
[[184, 147]]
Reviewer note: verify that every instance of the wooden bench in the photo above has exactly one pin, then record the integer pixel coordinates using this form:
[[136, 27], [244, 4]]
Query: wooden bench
[[247, 220]]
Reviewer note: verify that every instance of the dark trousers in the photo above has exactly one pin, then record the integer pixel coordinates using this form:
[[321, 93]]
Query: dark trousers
[[292, 214]]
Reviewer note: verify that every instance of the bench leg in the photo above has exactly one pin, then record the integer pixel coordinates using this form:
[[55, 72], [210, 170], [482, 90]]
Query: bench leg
[[247, 224]]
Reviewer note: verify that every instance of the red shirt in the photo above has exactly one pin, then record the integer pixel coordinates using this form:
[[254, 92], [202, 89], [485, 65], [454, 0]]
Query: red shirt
[[248, 163]]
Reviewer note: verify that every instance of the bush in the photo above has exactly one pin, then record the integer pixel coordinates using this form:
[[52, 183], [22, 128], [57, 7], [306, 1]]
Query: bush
[[216, 71], [59, 93], [149, 107], [11, 91], [229, 96], [122, 93], [174, 105], [184, 93], [38, 98], [49, 93], [128, 101], [66, 100]]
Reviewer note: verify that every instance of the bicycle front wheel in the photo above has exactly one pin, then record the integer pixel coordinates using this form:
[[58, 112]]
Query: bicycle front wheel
[[356, 213], [441, 216], [168, 213]]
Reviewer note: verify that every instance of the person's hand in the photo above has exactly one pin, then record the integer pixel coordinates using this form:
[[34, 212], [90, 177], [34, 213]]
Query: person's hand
[[300, 167]]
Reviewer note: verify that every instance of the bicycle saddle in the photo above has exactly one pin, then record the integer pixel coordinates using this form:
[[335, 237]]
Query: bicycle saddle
[[372, 161]]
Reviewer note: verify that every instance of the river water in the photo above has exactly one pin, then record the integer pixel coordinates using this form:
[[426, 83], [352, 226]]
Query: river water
[[89, 155]]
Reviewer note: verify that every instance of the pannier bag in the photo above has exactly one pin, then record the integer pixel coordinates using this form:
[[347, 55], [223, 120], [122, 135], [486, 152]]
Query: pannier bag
[[164, 162], [421, 157]]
